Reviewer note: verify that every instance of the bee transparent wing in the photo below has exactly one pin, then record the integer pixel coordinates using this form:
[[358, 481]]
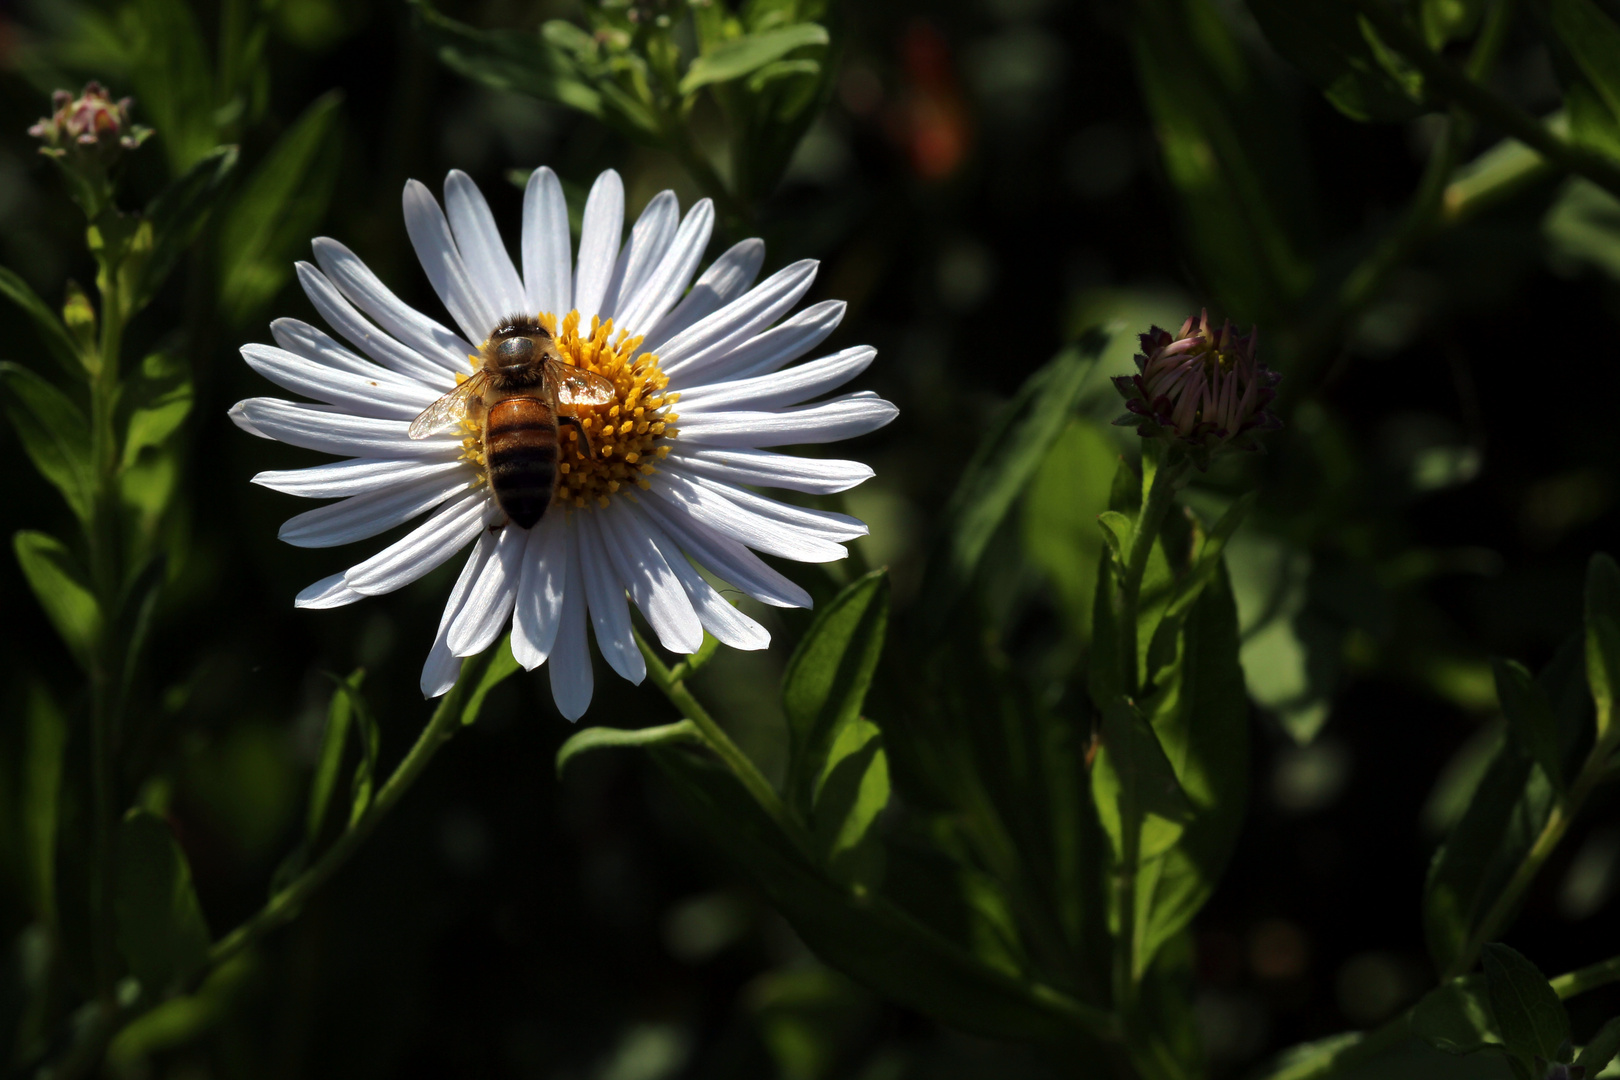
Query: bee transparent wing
[[577, 386], [450, 409]]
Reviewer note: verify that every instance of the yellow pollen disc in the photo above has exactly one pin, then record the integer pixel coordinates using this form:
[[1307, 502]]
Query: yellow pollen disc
[[620, 436]]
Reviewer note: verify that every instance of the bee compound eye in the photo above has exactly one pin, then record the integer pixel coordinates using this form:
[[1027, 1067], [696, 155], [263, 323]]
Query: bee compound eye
[[518, 350]]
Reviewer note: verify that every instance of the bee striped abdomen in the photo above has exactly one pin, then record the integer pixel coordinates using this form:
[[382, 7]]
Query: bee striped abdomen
[[520, 450]]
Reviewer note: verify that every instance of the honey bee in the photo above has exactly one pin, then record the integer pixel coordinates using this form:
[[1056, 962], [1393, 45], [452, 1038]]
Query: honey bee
[[521, 392]]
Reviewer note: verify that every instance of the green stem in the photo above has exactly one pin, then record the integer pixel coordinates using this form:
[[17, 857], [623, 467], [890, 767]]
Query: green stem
[[1161, 496], [285, 904], [1466, 91], [1593, 772], [1587, 978], [670, 683]]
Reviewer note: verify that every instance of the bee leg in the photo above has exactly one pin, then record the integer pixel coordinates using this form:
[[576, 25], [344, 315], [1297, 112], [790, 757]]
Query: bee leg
[[584, 436]]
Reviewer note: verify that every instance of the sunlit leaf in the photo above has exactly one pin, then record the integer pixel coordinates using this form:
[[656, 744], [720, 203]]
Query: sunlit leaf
[[828, 676], [1603, 638], [1139, 800], [267, 225], [1528, 1013], [63, 590], [1011, 451], [1602, 1048], [161, 932], [852, 790], [159, 398], [54, 433], [1456, 1017], [52, 332], [605, 738], [1060, 509], [747, 54], [334, 739]]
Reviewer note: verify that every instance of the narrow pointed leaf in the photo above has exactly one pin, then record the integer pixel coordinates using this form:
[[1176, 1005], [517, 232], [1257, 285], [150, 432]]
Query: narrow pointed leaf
[[1603, 638], [1596, 1054], [747, 54], [334, 739], [501, 665], [51, 330], [1529, 716], [62, 589], [54, 433], [606, 738]]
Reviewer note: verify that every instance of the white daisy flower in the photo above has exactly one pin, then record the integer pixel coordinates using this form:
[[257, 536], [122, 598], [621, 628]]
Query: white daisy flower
[[638, 499]]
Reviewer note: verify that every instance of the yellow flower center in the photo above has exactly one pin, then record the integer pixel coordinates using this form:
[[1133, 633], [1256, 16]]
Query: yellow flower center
[[622, 439]]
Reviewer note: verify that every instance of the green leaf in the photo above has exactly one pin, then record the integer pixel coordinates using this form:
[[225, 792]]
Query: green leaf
[[1060, 508], [1199, 711], [1456, 1017], [282, 203], [1234, 157], [1449, 20], [1596, 1054], [173, 83], [42, 797], [161, 933], [868, 939], [176, 216], [54, 433], [333, 740], [1139, 800], [601, 738], [501, 665], [1593, 40], [1603, 638], [1117, 530], [1330, 45], [1005, 462], [1529, 716], [828, 676], [370, 739], [51, 331], [850, 793], [1528, 1013], [62, 590], [159, 397], [747, 54]]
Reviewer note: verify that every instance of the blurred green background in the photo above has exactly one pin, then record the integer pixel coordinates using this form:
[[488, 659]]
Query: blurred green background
[[989, 179]]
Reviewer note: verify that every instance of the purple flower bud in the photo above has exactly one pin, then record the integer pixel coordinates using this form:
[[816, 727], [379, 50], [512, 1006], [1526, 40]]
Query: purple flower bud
[[1202, 389], [92, 123]]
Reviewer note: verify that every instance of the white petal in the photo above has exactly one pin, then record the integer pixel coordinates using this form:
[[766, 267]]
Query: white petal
[[315, 344], [719, 617], [329, 592], [443, 264], [822, 523], [604, 595], [489, 603], [540, 592], [360, 516], [778, 389], [481, 247], [320, 427], [709, 341], [653, 585], [765, 468], [664, 284], [776, 347], [342, 317], [443, 667], [727, 278], [649, 238], [423, 549], [398, 319], [762, 532], [570, 666], [725, 557], [547, 269], [387, 397], [826, 421], [599, 236], [357, 476]]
